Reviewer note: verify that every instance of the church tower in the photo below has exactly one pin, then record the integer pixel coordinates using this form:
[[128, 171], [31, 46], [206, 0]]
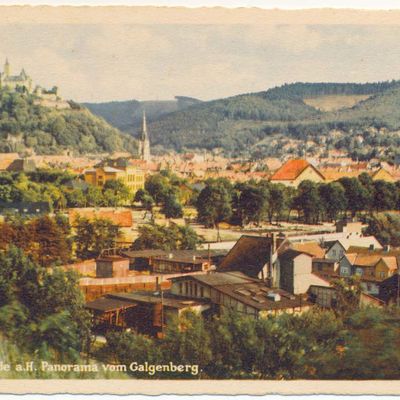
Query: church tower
[[7, 68], [144, 142]]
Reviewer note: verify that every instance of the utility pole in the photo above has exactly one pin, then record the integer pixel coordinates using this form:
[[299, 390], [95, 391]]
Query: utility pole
[[398, 288]]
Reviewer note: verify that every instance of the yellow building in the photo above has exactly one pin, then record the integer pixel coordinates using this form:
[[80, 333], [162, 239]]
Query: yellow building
[[293, 172], [385, 267], [384, 175], [132, 177]]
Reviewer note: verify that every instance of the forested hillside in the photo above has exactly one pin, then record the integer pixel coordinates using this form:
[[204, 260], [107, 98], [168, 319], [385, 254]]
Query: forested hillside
[[127, 115], [264, 122], [24, 124]]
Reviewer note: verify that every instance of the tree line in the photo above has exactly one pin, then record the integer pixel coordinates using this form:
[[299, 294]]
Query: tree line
[[318, 344], [256, 202]]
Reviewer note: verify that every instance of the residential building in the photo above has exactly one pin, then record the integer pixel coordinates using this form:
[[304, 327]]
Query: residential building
[[293, 172], [325, 267], [339, 247], [372, 268]]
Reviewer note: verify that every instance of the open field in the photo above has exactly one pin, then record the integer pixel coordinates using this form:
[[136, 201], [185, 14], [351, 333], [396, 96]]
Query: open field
[[334, 102]]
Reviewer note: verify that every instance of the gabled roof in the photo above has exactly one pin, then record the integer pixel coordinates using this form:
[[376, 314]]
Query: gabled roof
[[312, 248], [291, 170], [291, 254], [248, 255]]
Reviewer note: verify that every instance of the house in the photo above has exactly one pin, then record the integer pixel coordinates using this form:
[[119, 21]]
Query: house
[[250, 255], [372, 268], [293, 172], [339, 247], [312, 248], [146, 312], [325, 267], [239, 292], [293, 272], [383, 175]]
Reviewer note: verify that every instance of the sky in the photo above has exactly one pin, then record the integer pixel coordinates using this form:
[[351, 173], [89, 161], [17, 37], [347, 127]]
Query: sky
[[98, 62]]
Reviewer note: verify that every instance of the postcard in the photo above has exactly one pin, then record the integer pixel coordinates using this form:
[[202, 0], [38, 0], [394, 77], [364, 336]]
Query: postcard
[[199, 200]]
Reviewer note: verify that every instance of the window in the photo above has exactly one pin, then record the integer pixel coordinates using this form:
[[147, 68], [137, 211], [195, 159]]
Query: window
[[334, 253], [180, 288], [201, 291], [382, 275]]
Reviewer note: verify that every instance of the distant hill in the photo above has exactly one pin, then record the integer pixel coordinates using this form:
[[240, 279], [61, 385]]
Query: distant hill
[[265, 122], [24, 125], [127, 115]]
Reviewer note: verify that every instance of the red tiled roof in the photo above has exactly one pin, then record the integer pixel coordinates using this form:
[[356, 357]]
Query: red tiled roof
[[122, 218], [290, 170]]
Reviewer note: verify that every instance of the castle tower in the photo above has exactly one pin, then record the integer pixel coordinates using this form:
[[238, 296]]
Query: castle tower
[[144, 142], [7, 68]]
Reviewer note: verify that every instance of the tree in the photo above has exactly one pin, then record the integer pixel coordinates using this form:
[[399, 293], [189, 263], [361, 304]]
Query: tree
[[214, 204], [51, 239], [174, 237], [172, 208], [115, 193], [94, 236], [187, 341], [252, 204], [333, 199], [308, 202], [94, 196], [385, 227], [126, 347], [277, 201], [356, 195], [41, 311], [385, 196], [158, 187], [348, 294]]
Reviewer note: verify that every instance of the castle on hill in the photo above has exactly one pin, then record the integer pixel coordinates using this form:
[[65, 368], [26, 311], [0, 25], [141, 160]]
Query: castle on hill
[[23, 83], [15, 82]]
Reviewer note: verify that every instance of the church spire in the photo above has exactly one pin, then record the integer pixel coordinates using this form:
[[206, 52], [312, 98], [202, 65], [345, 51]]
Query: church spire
[[144, 127], [144, 142], [7, 69]]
